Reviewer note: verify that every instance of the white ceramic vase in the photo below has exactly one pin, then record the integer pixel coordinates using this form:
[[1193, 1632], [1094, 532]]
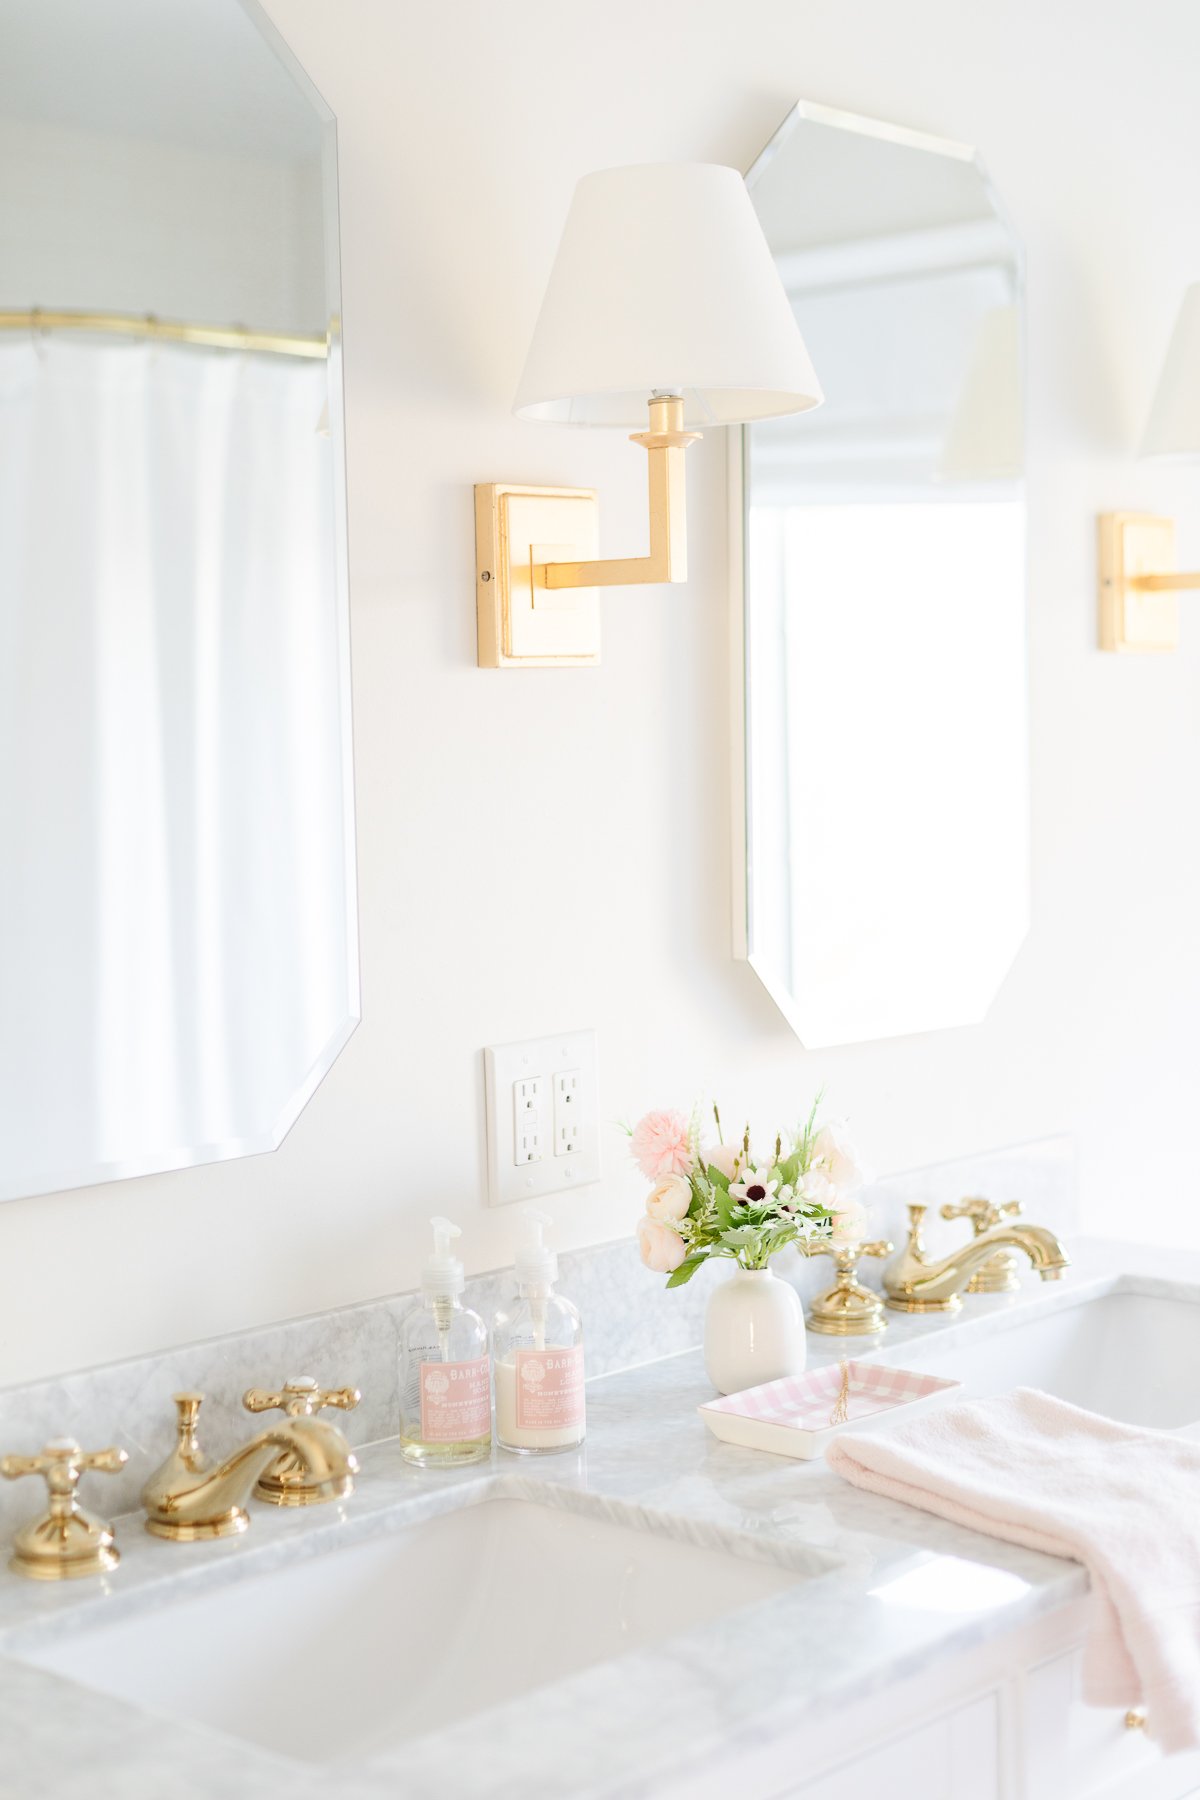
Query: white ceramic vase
[[753, 1331]]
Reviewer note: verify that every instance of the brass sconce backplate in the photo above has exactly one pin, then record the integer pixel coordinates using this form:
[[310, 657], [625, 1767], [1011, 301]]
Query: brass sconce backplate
[[523, 623], [1137, 550]]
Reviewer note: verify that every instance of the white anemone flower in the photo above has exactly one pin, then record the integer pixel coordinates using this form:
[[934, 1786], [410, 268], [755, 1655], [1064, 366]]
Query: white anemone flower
[[754, 1188]]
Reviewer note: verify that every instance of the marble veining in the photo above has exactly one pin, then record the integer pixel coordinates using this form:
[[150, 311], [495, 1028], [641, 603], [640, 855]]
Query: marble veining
[[647, 1462]]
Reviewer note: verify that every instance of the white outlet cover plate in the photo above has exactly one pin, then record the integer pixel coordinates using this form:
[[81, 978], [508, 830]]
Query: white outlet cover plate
[[506, 1064]]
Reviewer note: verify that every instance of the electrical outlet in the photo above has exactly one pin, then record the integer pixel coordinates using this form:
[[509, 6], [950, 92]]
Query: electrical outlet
[[527, 1094], [542, 1116], [568, 1132]]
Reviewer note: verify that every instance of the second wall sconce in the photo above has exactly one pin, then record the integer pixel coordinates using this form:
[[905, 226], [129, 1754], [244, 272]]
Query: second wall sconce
[[664, 300], [1139, 578]]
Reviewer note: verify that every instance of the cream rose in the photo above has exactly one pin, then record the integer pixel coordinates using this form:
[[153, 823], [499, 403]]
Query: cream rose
[[835, 1154], [669, 1200], [662, 1249], [725, 1157], [816, 1188], [849, 1225]]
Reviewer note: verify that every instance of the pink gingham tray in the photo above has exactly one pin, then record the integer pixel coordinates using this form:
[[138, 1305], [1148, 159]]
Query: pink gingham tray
[[791, 1417]]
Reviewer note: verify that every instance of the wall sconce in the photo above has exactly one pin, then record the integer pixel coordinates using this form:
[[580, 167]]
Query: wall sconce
[[664, 299], [1139, 578]]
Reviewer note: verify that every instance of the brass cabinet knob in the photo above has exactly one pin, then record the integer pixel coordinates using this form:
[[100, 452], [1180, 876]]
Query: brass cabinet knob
[[65, 1541], [1135, 1719], [285, 1483]]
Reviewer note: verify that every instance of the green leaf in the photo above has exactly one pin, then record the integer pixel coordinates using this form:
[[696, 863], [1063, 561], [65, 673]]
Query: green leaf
[[789, 1171], [685, 1271], [717, 1177]]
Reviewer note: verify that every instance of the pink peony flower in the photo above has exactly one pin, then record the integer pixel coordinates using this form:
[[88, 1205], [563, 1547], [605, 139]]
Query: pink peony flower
[[662, 1249], [670, 1199], [661, 1145]]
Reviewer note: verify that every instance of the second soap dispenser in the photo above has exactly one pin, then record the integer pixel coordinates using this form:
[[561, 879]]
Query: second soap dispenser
[[537, 1354], [445, 1402]]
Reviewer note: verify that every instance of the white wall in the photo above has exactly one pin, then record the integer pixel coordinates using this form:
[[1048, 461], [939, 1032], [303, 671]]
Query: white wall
[[463, 128]]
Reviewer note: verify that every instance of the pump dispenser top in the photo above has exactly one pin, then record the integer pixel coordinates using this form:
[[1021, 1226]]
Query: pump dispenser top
[[443, 1276], [535, 1264]]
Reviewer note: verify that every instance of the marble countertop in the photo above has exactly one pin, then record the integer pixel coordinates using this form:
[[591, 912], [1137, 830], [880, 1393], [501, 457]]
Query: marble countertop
[[851, 1628]]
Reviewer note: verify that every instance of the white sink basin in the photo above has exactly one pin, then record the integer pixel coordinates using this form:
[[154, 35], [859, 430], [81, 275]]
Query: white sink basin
[[1129, 1356], [358, 1649]]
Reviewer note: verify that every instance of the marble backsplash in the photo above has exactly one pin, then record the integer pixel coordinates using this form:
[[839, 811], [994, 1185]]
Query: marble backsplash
[[629, 1318]]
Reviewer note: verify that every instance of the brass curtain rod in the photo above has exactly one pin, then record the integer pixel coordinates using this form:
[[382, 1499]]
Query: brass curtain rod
[[146, 325]]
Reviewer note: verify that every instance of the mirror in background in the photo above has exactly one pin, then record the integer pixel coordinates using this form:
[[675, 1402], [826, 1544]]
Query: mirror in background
[[885, 860], [178, 950]]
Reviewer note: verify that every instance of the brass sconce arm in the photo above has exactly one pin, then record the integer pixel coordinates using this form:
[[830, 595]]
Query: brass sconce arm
[[665, 444], [534, 544], [1165, 584]]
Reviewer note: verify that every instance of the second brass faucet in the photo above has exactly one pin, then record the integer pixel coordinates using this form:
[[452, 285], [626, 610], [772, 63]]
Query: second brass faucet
[[188, 1498], [913, 1282]]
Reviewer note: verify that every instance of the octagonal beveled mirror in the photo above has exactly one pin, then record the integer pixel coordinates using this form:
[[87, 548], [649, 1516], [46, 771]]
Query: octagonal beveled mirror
[[178, 939], [881, 766]]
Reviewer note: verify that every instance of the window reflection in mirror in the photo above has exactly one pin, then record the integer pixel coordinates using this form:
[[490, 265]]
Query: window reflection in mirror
[[886, 852]]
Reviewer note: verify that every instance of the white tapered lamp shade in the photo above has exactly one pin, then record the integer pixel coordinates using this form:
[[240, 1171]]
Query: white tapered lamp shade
[[1173, 429], [665, 282], [984, 438]]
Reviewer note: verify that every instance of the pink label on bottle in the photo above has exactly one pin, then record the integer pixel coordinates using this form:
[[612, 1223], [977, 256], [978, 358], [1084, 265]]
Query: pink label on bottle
[[455, 1401], [549, 1389]]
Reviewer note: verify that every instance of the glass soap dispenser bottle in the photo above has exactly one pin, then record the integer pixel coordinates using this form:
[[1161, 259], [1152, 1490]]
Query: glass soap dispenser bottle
[[445, 1391], [537, 1354]]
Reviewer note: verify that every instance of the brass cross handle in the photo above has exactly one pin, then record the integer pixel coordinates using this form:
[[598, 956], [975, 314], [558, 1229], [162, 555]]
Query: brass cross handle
[[848, 1254], [62, 1462], [285, 1482], [65, 1540], [849, 1309], [300, 1397], [982, 1213]]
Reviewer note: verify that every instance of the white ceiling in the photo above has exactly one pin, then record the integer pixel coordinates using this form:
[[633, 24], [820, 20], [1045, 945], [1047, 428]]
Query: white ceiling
[[194, 72]]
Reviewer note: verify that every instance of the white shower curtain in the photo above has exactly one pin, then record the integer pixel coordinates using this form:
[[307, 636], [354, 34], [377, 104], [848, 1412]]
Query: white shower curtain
[[176, 939]]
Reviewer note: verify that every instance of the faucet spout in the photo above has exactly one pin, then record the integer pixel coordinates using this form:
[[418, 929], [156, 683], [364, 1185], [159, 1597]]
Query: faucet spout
[[188, 1498], [912, 1282]]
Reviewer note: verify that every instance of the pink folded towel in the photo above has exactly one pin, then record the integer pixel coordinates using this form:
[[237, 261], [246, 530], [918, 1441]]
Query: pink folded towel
[[1124, 1502]]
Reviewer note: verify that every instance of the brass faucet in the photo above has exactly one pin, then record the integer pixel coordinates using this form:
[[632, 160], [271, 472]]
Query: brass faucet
[[1001, 1274], [912, 1283], [188, 1499]]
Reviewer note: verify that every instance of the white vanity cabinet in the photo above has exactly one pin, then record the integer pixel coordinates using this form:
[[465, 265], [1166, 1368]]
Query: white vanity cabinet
[[1003, 1721], [947, 1758]]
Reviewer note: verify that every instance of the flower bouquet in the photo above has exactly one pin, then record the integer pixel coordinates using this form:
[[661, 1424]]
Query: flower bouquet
[[724, 1202]]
